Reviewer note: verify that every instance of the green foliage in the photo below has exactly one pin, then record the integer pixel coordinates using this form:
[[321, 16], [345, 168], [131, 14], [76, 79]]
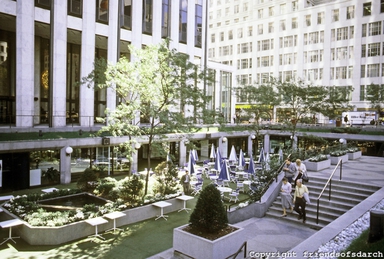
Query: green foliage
[[338, 153], [131, 189], [51, 174], [318, 158], [86, 179], [105, 186], [349, 130], [209, 215], [166, 173]]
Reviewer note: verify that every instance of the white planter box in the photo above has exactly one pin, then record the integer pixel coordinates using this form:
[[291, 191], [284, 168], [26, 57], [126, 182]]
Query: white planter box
[[318, 166], [336, 159], [354, 155], [199, 247]]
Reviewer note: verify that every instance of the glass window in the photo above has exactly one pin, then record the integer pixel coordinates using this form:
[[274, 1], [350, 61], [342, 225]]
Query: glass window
[[350, 12], [373, 49], [75, 7], [250, 30], [320, 18], [282, 8], [230, 35], [367, 9], [271, 11], [374, 29], [213, 38], [73, 76], [183, 11], [260, 13], [294, 23], [271, 27], [294, 6], [342, 33], [363, 50], [221, 36], [373, 70], [240, 33], [147, 16], [260, 29], [46, 4], [236, 9], [335, 15], [102, 11], [381, 6], [199, 23], [165, 18], [308, 20], [282, 25]]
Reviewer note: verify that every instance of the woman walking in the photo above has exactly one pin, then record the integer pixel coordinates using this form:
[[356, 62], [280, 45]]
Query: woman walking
[[286, 197]]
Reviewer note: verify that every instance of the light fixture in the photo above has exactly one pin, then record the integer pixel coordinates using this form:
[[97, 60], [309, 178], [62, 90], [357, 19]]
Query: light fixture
[[341, 140], [253, 136], [137, 146], [68, 151], [224, 139]]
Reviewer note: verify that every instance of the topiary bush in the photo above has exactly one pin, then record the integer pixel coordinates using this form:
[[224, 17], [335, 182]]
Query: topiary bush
[[209, 215], [85, 182]]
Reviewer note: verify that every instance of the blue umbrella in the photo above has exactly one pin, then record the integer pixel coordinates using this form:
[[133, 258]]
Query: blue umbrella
[[213, 154], [218, 155], [241, 158], [262, 156], [191, 163], [218, 164], [224, 172], [195, 156], [251, 167]]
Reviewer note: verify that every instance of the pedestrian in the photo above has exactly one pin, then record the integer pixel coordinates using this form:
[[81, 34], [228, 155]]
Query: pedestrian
[[299, 200], [300, 169], [346, 119], [289, 170], [286, 197], [185, 181]]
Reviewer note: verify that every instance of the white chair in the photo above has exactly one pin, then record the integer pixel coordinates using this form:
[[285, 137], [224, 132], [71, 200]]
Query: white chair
[[197, 188], [234, 195], [226, 183], [240, 186]]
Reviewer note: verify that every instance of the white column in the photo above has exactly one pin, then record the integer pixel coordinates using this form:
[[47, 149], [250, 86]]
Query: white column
[[65, 166], [156, 22], [25, 46], [88, 39], [59, 73], [137, 26], [267, 144], [182, 152]]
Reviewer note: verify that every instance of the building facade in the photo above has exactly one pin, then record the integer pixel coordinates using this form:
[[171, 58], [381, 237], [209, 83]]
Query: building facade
[[330, 43]]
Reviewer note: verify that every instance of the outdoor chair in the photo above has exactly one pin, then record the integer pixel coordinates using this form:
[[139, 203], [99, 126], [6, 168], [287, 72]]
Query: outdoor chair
[[240, 186], [234, 195], [197, 188]]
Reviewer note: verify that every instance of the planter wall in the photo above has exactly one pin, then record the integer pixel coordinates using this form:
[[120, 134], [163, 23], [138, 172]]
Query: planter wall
[[317, 166], [59, 235], [198, 247], [336, 159], [354, 155], [257, 209]]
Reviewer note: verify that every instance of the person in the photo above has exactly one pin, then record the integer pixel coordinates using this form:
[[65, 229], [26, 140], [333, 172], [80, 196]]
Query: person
[[185, 181], [286, 197], [299, 200], [346, 118], [289, 170], [300, 169]]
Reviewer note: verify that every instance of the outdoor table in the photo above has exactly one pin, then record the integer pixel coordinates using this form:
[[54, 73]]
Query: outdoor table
[[185, 198], [114, 215], [9, 224], [224, 189], [213, 177], [161, 205], [49, 190], [96, 222]]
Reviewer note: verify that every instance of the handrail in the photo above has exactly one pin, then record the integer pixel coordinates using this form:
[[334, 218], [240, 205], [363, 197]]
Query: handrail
[[238, 251], [340, 163]]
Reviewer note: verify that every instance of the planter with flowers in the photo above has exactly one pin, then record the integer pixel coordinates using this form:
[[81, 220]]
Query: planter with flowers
[[338, 155], [318, 163], [353, 153]]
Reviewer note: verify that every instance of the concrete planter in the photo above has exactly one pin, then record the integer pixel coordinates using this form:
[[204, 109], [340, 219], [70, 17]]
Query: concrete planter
[[59, 235], [318, 166], [336, 159], [354, 155], [199, 247]]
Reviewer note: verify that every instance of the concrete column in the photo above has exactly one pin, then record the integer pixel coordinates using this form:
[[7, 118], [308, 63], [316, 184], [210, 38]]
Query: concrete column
[[25, 46], [223, 147], [59, 65], [267, 144], [137, 26], [65, 166], [183, 152], [250, 150], [156, 25]]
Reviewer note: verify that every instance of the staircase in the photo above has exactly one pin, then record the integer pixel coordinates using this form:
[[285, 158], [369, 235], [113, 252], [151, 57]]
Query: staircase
[[345, 195]]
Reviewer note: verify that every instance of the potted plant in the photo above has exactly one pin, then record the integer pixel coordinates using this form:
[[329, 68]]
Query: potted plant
[[338, 155], [52, 175], [208, 234], [318, 163], [353, 153]]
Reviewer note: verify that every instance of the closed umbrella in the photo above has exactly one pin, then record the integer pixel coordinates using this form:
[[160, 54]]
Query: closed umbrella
[[224, 174], [251, 167], [281, 157], [218, 154], [191, 163], [195, 155], [218, 163], [232, 155], [213, 154], [241, 159], [262, 156]]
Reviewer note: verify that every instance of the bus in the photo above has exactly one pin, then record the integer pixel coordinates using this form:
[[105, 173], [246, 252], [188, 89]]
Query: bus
[[359, 117]]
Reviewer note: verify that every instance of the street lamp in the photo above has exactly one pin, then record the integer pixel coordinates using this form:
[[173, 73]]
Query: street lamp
[[224, 139], [68, 151]]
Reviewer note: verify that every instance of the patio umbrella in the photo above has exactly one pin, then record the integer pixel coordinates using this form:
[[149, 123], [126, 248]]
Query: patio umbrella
[[251, 167], [169, 158], [191, 163], [218, 154], [218, 163], [224, 175], [241, 158], [195, 155], [281, 156], [232, 155], [262, 156], [213, 154]]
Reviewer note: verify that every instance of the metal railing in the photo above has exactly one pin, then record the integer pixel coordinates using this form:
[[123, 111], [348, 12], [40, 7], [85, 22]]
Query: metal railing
[[244, 245], [340, 163]]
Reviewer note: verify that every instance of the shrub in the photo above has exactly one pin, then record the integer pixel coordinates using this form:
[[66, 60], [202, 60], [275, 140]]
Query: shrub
[[131, 189], [86, 179], [318, 158], [166, 173], [209, 215], [105, 186], [338, 153], [51, 174], [353, 149]]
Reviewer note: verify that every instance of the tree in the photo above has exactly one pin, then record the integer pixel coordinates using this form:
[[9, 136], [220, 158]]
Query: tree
[[160, 85], [336, 100], [375, 94], [260, 103], [209, 215]]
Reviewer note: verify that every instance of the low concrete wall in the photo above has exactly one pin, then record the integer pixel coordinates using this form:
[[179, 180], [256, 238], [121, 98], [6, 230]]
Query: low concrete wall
[[259, 208], [317, 166], [336, 159], [354, 155], [59, 235]]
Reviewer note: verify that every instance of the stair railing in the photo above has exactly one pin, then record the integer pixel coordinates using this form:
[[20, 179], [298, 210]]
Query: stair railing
[[244, 245], [340, 163]]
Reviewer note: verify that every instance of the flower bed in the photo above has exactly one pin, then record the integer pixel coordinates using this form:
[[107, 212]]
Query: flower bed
[[318, 163]]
